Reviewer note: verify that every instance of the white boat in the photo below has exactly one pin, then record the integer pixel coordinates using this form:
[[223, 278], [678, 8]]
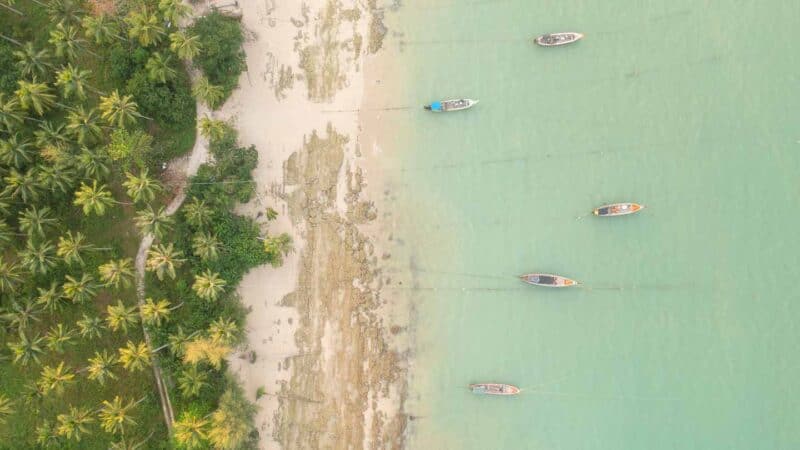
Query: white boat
[[451, 105], [556, 39], [617, 209], [494, 389]]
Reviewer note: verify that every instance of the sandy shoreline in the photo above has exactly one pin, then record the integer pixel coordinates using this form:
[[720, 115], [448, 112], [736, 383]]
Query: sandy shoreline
[[330, 349]]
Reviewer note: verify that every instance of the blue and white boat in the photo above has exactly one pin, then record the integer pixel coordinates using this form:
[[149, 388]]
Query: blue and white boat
[[451, 105]]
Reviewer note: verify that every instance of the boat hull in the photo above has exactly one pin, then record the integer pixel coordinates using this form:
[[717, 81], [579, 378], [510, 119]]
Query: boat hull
[[494, 389], [617, 209], [548, 280], [558, 39], [451, 105]]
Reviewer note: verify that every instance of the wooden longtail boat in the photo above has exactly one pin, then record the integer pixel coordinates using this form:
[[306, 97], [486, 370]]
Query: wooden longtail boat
[[617, 209], [451, 105], [547, 280], [494, 389], [556, 39]]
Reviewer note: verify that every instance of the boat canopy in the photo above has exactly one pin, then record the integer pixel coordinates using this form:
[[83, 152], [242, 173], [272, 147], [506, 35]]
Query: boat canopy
[[436, 106]]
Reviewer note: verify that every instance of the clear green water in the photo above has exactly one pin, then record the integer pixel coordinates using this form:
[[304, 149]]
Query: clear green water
[[685, 334]]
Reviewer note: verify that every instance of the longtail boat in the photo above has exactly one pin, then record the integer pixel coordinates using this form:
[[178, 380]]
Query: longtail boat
[[617, 209], [547, 280], [494, 389], [556, 39], [451, 105]]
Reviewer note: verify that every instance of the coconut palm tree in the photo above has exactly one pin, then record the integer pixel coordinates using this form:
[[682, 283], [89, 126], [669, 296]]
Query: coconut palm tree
[[83, 124], [177, 341], [10, 276], [212, 129], [49, 134], [72, 246], [153, 313], [57, 177], [124, 444], [72, 81], [27, 349], [10, 113], [33, 63], [164, 259], [185, 45], [16, 151], [101, 29], [115, 415], [206, 92], [58, 336], [50, 298], [73, 425], [208, 285], [117, 272], [6, 408], [118, 110], [173, 10], [90, 327], [36, 96], [38, 257], [79, 290], [205, 349], [206, 246], [141, 188], [134, 357], [145, 27], [5, 206], [93, 199], [47, 435], [66, 40], [150, 221], [34, 221], [190, 430], [22, 186], [67, 12], [7, 235], [231, 423], [159, 68], [55, 379], [191, 381], [224, 330], [100, 367], [197, 213], [120, 316], [20, 314], [94, 163]]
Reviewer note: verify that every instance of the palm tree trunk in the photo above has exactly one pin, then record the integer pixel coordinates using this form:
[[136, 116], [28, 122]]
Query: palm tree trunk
[[176, 307], [13, 41], [16, 11]]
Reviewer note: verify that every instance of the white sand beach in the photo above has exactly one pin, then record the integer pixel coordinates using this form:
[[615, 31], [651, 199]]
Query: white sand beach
[[333, 373]]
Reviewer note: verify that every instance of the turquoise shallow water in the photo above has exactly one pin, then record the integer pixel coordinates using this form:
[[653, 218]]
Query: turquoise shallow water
[[684, 336]]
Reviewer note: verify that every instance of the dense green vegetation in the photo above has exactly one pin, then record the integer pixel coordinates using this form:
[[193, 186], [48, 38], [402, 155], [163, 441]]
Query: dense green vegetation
[[90, 107], [222, 59], [210, 250]]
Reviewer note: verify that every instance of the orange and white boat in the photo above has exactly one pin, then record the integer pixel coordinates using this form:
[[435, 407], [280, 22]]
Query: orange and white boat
[[493, 389], [617, 209], [547, 280]]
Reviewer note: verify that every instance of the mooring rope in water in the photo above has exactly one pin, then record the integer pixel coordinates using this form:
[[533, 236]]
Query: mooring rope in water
[[393, 108]]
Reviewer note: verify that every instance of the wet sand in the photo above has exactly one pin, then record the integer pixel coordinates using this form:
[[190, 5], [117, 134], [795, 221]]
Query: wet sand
[[325, 344]]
